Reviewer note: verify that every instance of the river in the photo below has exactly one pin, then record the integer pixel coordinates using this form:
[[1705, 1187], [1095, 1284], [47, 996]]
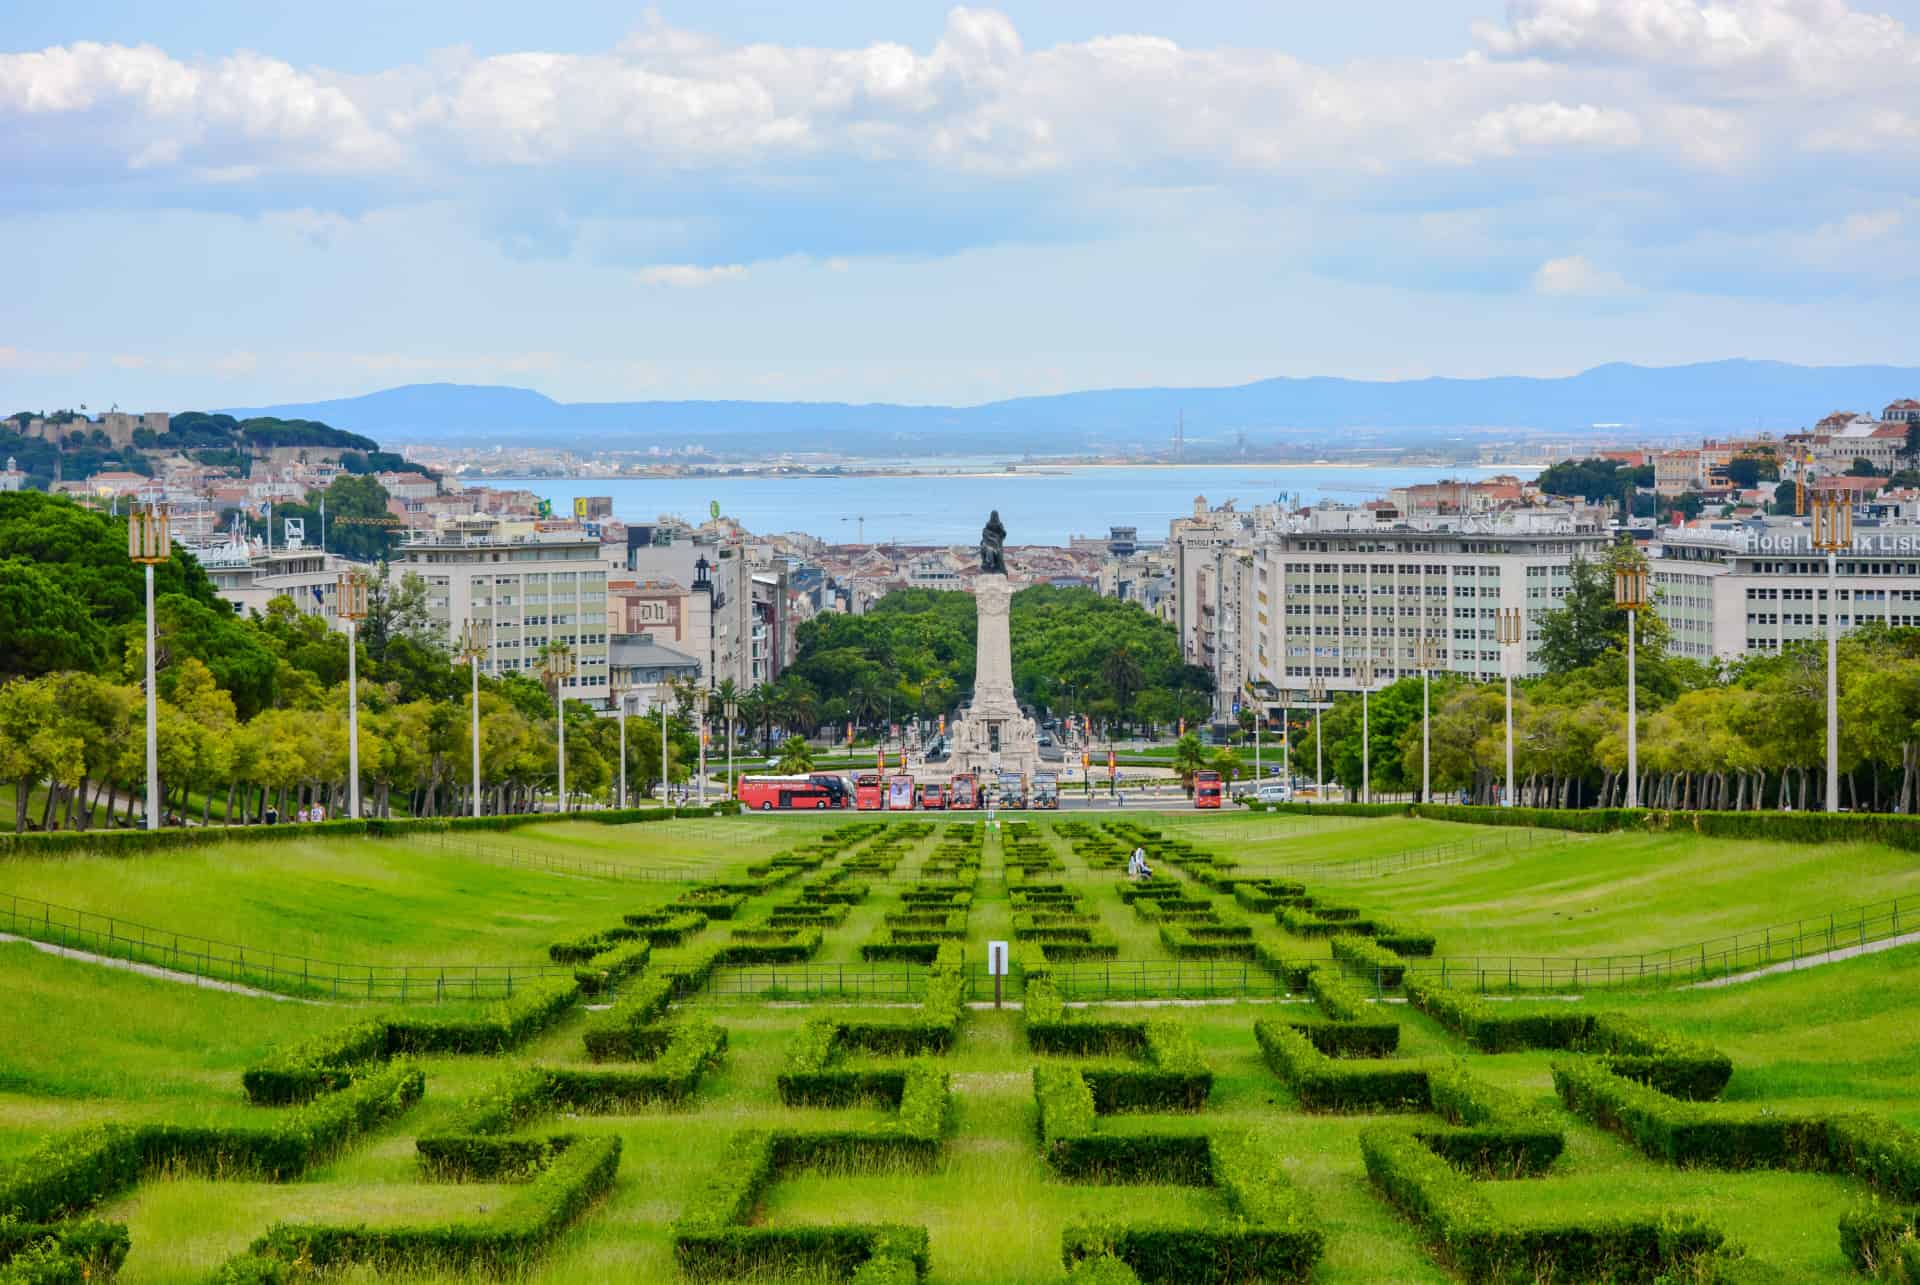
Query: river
[[1038, 504]]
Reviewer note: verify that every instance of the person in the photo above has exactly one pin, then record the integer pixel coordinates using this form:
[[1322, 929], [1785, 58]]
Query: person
[[1137, 867]]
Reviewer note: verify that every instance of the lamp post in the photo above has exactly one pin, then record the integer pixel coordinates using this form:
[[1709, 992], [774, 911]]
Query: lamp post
[[558, 666], [148, 544], [701, 777], [1363, 674], [620, 717], [1426, 654], [664, 776], [350, 605], [1316, 697], [472, 647], [1630, 594], [1832, 532], [731, 707], [1508, 630]]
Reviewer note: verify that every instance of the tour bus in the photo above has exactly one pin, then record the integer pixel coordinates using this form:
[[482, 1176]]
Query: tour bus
[[900, 793], [933, 797], [1046, 790], [836, 785], [765, 793], [1206, 789], [869, 792], [963, 791], [1013, 790]]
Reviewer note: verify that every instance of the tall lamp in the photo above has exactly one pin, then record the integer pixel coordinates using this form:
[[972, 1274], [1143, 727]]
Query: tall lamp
[[149, 544]]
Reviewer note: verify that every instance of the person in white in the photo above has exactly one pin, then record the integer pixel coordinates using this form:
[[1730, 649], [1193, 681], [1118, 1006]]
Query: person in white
[[1137, 865]]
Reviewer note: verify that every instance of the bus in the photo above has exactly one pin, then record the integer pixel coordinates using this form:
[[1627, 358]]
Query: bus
[[1206, 789], [1046, 790], [963, 791], [869, 792], [766, 793], [836, 785], [1013, 790], [900, 793], [933, 797]]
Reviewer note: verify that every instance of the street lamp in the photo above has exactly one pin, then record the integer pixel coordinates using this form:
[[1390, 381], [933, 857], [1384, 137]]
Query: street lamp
[[1832, 532], [619, 694], [701, 777], [1363, 674], [1426, 654], [558, 666], [1508, 629], [350, 605], [1317, 697], [471, 648], [148, 544], [1630, 594], [732, 708]]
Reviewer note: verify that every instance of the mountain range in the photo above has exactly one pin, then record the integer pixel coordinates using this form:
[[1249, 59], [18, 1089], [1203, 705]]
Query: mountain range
[[1632, 401]]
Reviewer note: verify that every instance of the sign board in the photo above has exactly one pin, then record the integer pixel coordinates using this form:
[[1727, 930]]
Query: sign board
[[713, 508], [996, 959]]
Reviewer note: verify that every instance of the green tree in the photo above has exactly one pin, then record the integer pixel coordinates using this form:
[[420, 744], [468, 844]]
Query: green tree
[[44, 627], [796, 756], [1189, 756]]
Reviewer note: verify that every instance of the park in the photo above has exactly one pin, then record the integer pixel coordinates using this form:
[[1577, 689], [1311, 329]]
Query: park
[[1318, 1043]]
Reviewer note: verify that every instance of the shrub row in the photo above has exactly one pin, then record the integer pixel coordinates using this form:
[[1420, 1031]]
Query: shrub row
[[666, 926], [1878, 1151], [74, 1172], [526, 1225], [812, 1076], [1492, 1133], [1264, 896], [59, 1253], [1323, 1083], [1482, 1246], [711, 1238]]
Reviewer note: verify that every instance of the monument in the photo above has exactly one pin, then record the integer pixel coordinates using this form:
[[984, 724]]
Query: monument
[[993, 735]]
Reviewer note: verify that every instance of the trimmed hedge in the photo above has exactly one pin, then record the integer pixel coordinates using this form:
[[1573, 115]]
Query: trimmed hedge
[[504, 1025], [1493, 1133], [322, 1064], [76, 1171], [1324, 1084], [1482, 1246], [56, 1253], [579, 1174], [1370, 959], [667, 926]]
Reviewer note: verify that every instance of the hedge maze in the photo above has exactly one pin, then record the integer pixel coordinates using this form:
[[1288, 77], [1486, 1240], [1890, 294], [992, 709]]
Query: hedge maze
[[1166, 1140]]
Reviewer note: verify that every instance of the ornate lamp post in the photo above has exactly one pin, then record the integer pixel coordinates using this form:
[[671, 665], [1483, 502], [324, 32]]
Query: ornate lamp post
[[148, 544], [1833, 532], [732, 709], [1426, 654], [1630, 594], [557, 667], [620, 717], [1363, 674], [1509, 631], [471, 648], [664, 777], [700, 778], [350, 605], [1317, 697]]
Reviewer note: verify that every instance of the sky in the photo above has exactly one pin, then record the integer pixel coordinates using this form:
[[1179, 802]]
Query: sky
[[221, 204]]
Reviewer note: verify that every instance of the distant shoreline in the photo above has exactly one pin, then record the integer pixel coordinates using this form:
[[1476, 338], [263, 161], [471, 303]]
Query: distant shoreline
[[1051, 469]]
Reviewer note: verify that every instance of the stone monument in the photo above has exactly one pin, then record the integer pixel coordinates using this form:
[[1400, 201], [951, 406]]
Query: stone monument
[[993, 735]]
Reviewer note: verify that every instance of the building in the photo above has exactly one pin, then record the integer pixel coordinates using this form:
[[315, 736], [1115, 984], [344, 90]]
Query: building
[[1904, 411], [643, 668], [748, 613], [250, 576], [12, 479], [1727, 590], [117, 427], [1212, 580], [525, 585], [1334, 588]]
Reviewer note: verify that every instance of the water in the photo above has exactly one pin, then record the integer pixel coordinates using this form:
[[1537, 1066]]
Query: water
[[1038, 505]]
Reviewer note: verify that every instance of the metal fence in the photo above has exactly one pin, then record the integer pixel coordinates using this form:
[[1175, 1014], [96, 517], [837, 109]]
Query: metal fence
[[528, 859], [218, 961], [1816, 937], [1414, 858], [1168, 979], [873, 983]]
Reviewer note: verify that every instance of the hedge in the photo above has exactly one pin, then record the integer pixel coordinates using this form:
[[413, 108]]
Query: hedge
[[1482, 1246], [322, 1064], [1492, 1133], [711, 1238], [1263, 896], [1880, 1240], [1878, 1151], [812, 1076], [627, 1031], [128, 843], [503, 1025], [1326, 1084], [56, 1253], [667, 926], [580, 1173], [78, 1170]]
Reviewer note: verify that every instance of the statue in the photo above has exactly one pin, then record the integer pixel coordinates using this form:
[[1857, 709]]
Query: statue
[[993, 541]]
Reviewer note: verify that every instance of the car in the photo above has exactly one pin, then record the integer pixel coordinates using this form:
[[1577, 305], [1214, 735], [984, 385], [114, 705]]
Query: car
[[1272, 792]]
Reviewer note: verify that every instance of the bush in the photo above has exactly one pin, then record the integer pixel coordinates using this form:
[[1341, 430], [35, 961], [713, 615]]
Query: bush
[[1370, 959], [1323, 1084], [1502, 1028], [1494, 1134], [504, 1025], [667, 926], [319, 1065]]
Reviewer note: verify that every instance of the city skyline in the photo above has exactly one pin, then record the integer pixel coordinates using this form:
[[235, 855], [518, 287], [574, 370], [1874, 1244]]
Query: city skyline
[[923, 205]]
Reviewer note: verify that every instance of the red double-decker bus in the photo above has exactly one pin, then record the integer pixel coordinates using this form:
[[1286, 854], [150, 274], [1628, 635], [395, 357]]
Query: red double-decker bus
[[1206, 789], [784, 793], [963, 791], [869, 792]]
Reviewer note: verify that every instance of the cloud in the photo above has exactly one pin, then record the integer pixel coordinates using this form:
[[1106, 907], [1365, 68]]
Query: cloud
[[1529, 126], [690, 275], [1574, 277]]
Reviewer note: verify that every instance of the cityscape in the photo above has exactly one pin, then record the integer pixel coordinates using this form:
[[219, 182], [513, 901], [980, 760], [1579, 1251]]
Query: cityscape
[[923, 644]]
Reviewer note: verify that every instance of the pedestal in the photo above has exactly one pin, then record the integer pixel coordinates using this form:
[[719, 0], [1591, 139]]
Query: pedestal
[[994, 736]]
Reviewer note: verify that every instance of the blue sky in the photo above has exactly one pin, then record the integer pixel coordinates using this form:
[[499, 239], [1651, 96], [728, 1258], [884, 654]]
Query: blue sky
[[218, 204]]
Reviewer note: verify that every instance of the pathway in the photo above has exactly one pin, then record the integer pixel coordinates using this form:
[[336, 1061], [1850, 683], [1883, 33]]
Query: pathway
[[1833, 956]]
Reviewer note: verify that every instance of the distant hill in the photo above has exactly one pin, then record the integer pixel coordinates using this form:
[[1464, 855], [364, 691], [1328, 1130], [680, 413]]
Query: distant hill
[[1707, 398]]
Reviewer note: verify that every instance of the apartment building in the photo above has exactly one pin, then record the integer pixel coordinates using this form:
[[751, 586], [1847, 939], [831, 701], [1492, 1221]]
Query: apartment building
[[1727, 590], [1337, 586], [748, 633], [525, 585]]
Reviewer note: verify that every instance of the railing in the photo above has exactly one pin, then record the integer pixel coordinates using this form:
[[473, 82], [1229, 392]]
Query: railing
[[873, 983], [1168, 979], [1442, 854], [228, 962], [1814, 938]]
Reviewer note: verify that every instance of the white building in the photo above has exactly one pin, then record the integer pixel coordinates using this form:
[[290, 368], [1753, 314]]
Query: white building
[[524, 587], [1336, 587], [1737, 589]]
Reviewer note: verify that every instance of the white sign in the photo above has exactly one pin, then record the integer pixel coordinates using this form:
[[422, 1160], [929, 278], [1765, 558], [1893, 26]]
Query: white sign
[[996, 959]]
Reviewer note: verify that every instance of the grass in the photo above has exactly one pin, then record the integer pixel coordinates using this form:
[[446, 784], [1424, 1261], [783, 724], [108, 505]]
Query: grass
[[84, 1043]]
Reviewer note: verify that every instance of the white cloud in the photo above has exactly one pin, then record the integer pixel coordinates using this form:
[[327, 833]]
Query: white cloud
[[689, 275], [1574, 276], [1531, 126]]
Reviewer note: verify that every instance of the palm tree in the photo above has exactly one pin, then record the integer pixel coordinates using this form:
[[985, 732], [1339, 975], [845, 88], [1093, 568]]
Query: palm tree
[[796, 757], [1122, 672], [1188, 757]]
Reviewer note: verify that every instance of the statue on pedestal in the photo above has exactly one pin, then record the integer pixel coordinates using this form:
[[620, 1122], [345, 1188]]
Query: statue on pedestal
[[993, 545]]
